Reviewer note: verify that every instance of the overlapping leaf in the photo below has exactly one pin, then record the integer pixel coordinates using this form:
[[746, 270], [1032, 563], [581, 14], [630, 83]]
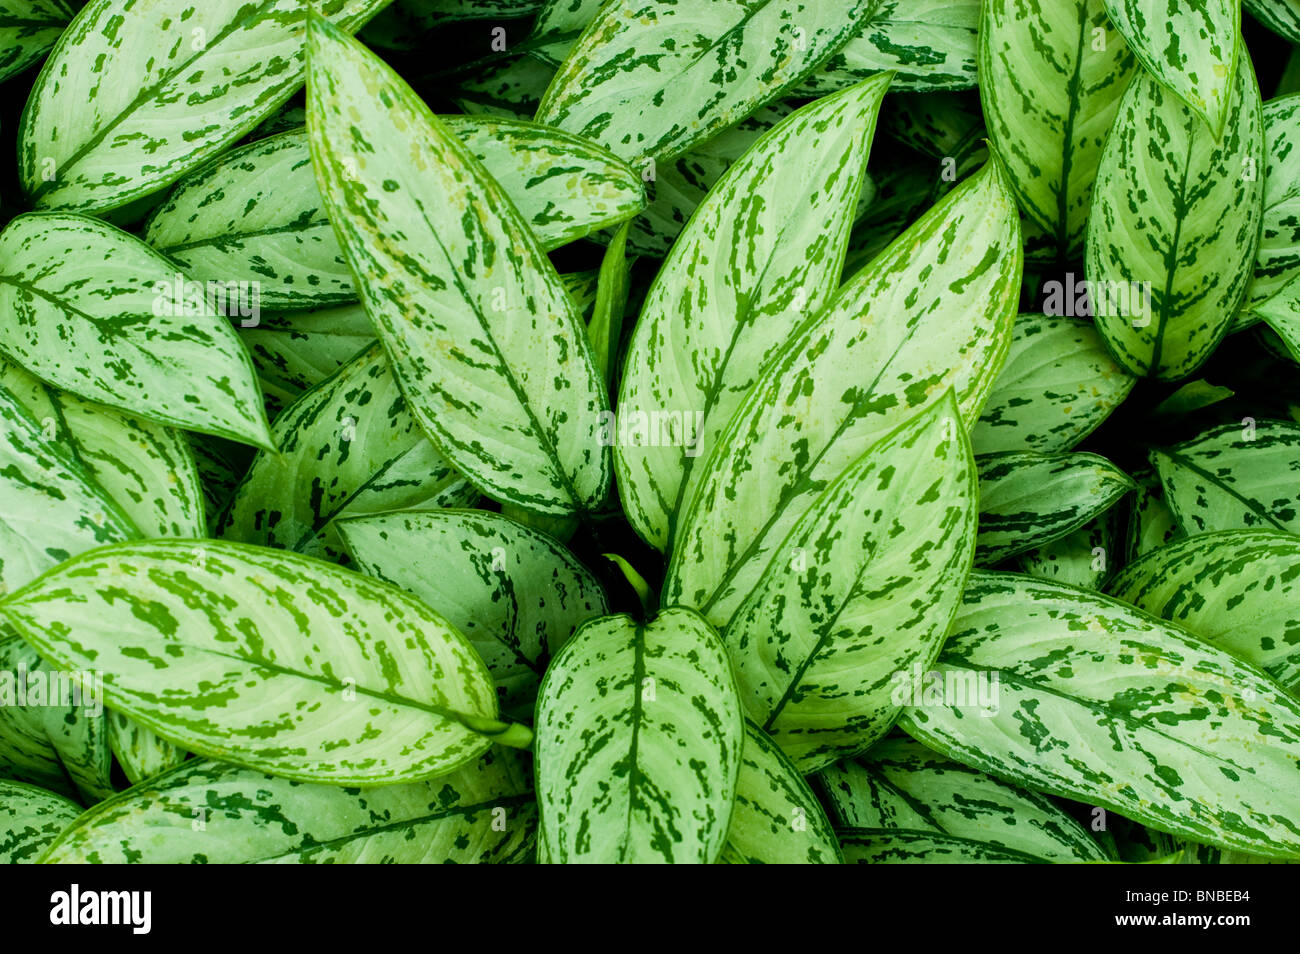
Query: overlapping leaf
[[28, 28], [30, 818]]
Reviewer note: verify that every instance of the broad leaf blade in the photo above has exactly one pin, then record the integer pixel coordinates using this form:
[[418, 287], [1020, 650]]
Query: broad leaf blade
[[30, 819], [28, 28]]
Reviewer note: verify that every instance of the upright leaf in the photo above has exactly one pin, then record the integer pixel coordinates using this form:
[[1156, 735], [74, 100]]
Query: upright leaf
[[762, 252], [485, 344], [932, 312], [1277, 261], [638, 747]]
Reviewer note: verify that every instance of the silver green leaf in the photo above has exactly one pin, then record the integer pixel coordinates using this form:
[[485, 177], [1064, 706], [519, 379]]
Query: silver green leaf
[[1083, 557], [348, 446], [776, 818], [1100, 702], [1027, 500], [902, 785], [28, 28], [211, 813], [295, 352], [268, 659], [1058, 385], [30, 818], [515, 593], [896, 846], [97, 312], [139, 92], [648, 80], [1236, 588], [1174, 225], [1051, 76], [1191, 47], [484, 341], [1151, 523], [1280, 16], [1277, 262], [559, 24], [928, 44], [863, 588], [512, 89], [1235, 476], [761, 253], [638, 748], [932, 312]]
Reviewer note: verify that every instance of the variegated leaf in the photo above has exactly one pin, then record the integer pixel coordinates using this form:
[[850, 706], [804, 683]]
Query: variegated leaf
[[1236, 588], [28, 28], [97, 312], [897, 846], [932, 312], [1027, 500], [929, 44], [1100, 702], [139, 92], [257, 215], [1051, 76], [761, 253], [1151, 523], [211, 813], [558, 25], [1277, 262], [295, 352], [1191, 47], [1058, 385], [347, 447], [485, 343], [648, 80], [638, 748], [512, 90], [268, 659], [30, 818], [862, 588], [1086, 557], [1174, 226], [776, 819], [1236, 476], [944, 126], [141, 752], [515, 593], [1280, 16], [902, 785], [905, 186]]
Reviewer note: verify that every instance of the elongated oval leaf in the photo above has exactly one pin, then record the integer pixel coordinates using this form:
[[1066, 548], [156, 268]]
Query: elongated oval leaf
[[895, 846], [761, 252], [1277, 261], [1052, 74], [1027, 500], [137, 94], [115, 323], [514, 592], [638, 748], [1174, 225], [211, 813], [1236, 476], [267, 659], [864, 587], [1236, 588], [1192, 47], [483, 339], [30, 818], [933, 312], [295, 352], [1100, 702], [1085, 557], [650, 79], [1280, 16], [28, 28], [776, 818]]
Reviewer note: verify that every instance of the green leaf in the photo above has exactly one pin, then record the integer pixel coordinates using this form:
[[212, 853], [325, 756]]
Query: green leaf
[[348, 446], [1236, 588], [1280, 16], [763, 250], [901, 785], [512, 90], [864, 586], [1081, 558], [1052, 73], [932, 312], [257, 214], [1027, 500], [776, 818], [1058, 385], [30, 818], [560, 23], [651, 80], [484, 341], [136, 95], [892, 846], [515, 593], [1236, 476], [141, 752], [1151, 523], [116, 323], [272, 660], [1277, 262], [638, 748], [1174, 226], [210, 813], [605, 330], [929, 44], [295, 352], [1099, 702], [28, 28], [1190, 47]]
